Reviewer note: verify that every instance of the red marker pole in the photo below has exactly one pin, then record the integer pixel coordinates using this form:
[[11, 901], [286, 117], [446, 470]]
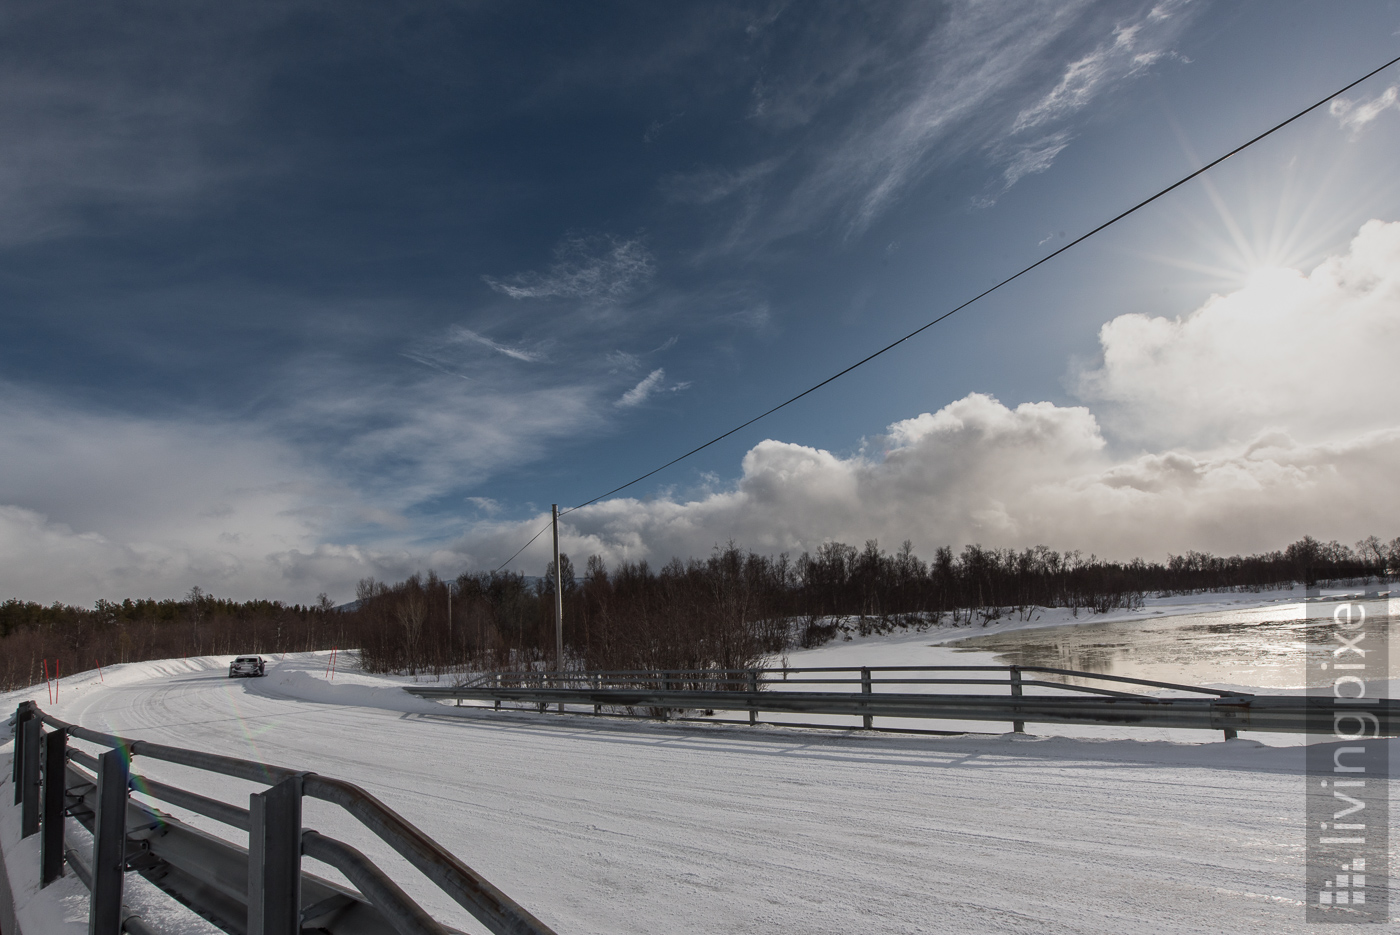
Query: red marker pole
[[99, 671], [47, 687], [55, 679]]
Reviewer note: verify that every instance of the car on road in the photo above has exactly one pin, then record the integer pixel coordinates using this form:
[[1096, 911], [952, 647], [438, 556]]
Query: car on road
[[247, 667]]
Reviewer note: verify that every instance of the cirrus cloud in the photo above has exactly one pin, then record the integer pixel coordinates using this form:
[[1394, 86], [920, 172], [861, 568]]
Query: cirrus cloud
[[1262, 415]]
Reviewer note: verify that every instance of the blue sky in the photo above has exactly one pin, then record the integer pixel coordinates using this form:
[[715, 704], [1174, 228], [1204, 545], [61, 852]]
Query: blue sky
[[298, 293]]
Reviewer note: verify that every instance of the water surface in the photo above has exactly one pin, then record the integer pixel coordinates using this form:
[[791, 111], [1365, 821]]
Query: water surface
[[1263, 647]]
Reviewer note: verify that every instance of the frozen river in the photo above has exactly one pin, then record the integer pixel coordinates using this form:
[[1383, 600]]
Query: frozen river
[[1261, 647]]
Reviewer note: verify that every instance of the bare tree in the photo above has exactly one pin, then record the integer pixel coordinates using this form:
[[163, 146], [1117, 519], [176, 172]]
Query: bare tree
[[411, 612]]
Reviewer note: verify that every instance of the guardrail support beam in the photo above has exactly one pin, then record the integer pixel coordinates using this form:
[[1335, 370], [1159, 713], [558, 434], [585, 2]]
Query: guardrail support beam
[[55, 784], [865, 689], [1018, 727], [274, 859], [753, 700], [109, 844], [29, 741], [23, 713]]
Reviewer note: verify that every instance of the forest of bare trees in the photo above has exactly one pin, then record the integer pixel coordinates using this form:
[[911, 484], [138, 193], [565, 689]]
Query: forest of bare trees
[[731, 609]]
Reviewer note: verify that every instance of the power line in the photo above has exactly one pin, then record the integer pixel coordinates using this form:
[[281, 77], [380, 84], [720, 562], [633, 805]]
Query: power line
[[981, 295], [526, 545]]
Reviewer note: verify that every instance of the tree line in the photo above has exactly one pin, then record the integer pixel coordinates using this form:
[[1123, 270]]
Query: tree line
[[38, 640], [732, 609]]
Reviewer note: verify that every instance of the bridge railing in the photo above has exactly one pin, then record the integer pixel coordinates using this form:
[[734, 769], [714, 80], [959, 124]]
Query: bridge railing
[[259, 890]]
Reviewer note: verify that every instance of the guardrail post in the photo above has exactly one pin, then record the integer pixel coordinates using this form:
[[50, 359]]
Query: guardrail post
[[23, 713], [1018, 727], [753, 701], [665, 687], [55, 785], [597, 708], [29, 806], [865, 689], [498, 688], [274, 859], [109, 844]]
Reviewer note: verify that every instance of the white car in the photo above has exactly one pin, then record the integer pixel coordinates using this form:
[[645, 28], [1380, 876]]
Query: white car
[[247, 666]]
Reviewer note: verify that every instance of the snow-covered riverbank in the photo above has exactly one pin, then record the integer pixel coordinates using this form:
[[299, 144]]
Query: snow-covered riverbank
[[608, 826]]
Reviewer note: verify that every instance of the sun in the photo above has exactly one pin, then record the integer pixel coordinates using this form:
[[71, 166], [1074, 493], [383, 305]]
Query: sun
[[1277, 210]]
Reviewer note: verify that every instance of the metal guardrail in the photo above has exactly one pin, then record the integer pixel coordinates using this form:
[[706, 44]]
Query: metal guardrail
[[258, 890], [751, 690]]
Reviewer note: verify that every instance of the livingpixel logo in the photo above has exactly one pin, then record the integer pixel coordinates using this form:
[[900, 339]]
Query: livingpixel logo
[[1348, 762]]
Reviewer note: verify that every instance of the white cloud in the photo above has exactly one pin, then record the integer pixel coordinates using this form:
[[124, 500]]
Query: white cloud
[[978, 471], [467, 336], [638, 394], [1265, 414], [974, 66], [1133, 47], [1033, 158], [597, 268], [107, 505], [1310, 354], [706, 186], [1354, 116], [403, 439]]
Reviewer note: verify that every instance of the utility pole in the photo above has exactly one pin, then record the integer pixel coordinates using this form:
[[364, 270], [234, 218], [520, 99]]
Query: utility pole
[[558, 605]]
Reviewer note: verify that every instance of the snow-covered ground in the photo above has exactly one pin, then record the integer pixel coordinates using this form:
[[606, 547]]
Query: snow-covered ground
[[618, 827]]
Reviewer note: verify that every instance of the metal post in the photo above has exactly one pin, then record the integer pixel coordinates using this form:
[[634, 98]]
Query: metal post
[[55, 784], [23, 713], [274, 859], [865, 689], [498, 688], [29, 812], [597, 708], [109, 844], [753, 701], [558, 604], [1018, 727]]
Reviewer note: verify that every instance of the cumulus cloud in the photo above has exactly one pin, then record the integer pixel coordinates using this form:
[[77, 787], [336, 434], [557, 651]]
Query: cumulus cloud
[[1263, 415], [596, 268], [1310, 354], [979, 471], [1260, 416], [107, 505]]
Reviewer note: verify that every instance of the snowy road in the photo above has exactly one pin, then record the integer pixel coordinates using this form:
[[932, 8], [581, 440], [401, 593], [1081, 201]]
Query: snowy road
[[609, 827]]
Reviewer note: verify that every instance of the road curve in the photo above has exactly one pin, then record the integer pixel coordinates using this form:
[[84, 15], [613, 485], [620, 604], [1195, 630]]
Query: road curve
[[610, 827]]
